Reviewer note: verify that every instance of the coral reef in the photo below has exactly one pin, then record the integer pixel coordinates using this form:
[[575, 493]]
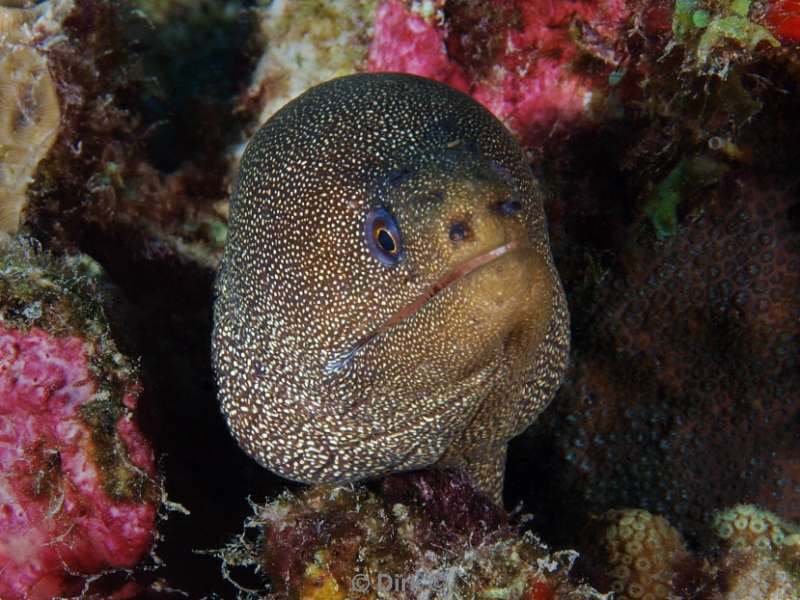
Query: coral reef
[[92, 173], [82, 53], [535, 65], [29, 108], [641, 551], [691, 351], [78, 486], [425, 535], [643, 556], [753, 576], [133, 179], [761, 559], [716, 35], [668, 134], [412, 41], [677, 238], [306, 44], [747, 526], [429, 534]]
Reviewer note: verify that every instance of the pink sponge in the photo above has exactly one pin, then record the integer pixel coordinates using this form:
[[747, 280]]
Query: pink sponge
[[407, 43], [76, 474]]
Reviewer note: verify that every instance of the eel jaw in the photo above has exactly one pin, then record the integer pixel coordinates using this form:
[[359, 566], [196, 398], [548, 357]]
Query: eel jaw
[[343, 360]]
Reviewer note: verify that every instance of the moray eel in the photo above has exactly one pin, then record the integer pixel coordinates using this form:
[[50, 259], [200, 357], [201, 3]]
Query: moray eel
[[387, 299]]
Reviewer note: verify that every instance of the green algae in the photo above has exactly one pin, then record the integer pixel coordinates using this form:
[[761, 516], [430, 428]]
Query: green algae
[[701, 18], [212, 229], [662, 208], [736, 28], [686, 177], [40, 290], [121, 480], [708, 28], [682, 17], [740, 7]]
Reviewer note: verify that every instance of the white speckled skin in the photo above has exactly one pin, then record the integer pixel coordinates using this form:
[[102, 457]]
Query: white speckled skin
[[298, 288]]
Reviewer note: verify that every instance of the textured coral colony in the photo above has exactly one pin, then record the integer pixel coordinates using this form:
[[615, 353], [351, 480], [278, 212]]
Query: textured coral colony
[[667, 466]]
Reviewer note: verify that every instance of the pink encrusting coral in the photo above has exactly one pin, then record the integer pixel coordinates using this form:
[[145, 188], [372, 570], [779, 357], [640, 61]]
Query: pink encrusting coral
[[74, 469], [408, 43], [522, 60]]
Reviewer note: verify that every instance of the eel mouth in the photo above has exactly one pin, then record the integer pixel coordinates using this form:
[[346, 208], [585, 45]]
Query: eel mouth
[[444, 282], [404, 312]]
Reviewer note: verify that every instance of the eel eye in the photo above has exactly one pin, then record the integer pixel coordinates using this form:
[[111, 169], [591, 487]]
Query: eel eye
[[383, 236]]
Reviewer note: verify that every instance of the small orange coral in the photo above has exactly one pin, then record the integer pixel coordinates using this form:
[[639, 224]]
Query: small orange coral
[[642, 551], [747, 526], [641, 556], [763, 559]]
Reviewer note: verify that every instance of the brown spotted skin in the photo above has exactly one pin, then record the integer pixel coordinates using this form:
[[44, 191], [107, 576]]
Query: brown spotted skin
[[298, 288]]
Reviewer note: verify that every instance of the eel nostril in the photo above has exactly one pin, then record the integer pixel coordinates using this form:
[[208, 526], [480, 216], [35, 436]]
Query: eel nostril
[[458, 231], [510, 207]]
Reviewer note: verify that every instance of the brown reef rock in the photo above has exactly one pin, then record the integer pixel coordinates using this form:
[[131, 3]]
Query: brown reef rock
[[683, 399], [421, 535]]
